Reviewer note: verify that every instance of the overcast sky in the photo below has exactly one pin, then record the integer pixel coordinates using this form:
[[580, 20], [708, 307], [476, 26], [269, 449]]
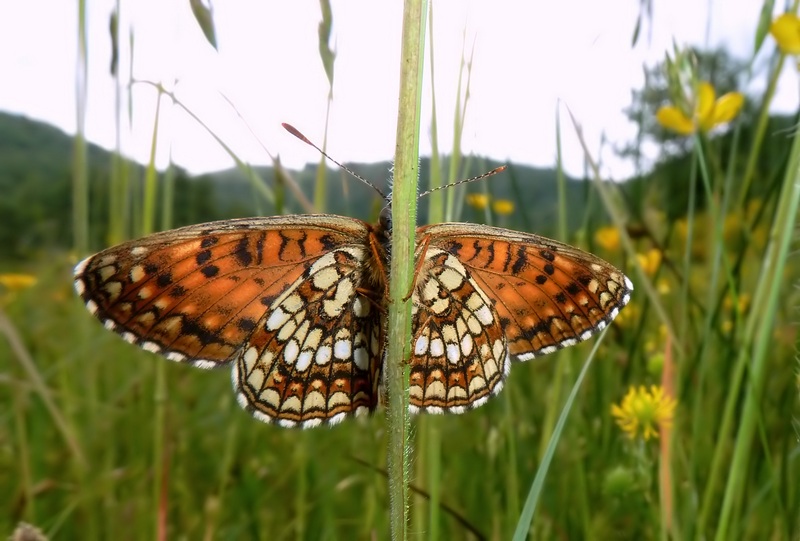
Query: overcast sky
[[528, 57]]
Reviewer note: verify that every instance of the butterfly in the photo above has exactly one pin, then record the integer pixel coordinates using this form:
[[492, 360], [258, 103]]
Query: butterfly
[[295, 306]]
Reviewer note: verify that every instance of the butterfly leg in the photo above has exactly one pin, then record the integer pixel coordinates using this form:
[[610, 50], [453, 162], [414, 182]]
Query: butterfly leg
[[426, 240]]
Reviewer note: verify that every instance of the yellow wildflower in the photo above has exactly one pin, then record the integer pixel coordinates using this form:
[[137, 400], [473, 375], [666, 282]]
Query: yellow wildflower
[[709, 112], [16, 281], [12, 283], [786, 31], [644, 412], [608, 238], [734, 309], [503, 207], [650, 261], [741, 305], [478, 201]]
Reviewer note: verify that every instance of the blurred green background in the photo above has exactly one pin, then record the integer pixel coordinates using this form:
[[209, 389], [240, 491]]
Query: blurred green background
[[99, 440]]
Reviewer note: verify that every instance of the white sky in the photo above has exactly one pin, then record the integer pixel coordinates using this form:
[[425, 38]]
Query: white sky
[[528, 56]]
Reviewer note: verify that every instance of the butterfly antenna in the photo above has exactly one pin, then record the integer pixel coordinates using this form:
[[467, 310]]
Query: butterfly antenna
[[466, 180], [294, 131]]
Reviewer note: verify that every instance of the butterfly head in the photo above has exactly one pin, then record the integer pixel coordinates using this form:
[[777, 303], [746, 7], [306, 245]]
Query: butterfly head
[[385, 221]]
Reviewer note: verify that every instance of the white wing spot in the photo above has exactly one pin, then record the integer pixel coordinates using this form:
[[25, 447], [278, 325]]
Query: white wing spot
[[277, 319], [177, 357], [361, 358], [628, 282], [342, 349], [291, 351], [293, 303], [466, 345], [451, 279], [361, 410], [437, 347], [107, 272], [484, 315], [136, 273], [421, 346], [151, 346], [287, 330], [327, 260], [313, 339], [323, 355], [453, 353], [499, 349], [430, 290], [204, 364], [325, 278]]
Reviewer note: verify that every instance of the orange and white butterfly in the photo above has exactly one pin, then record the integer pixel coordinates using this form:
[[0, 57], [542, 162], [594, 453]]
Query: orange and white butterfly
[[295, 306]]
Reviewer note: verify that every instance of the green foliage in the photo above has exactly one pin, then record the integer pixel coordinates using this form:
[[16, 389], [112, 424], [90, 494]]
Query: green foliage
[[35, 180]]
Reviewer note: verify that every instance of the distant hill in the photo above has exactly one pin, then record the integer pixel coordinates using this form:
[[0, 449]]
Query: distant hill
[[36, 171], [534, 192], [35, 182]]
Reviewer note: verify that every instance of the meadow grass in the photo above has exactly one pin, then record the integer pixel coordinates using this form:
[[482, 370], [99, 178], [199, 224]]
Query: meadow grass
[[100, 440]]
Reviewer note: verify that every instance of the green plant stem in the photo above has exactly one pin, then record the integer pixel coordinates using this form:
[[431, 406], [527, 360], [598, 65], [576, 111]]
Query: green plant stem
[[761, 129], [80, 181], [401, 269]]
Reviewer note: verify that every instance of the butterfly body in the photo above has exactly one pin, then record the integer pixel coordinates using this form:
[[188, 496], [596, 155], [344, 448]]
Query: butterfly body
[[296, 307]]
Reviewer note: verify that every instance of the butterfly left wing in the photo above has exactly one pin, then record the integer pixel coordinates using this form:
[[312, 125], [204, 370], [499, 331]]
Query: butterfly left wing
[[289, 298]]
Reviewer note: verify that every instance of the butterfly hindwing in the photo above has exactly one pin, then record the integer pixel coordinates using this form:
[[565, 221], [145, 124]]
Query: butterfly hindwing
[[459, 355], [316, 355]]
